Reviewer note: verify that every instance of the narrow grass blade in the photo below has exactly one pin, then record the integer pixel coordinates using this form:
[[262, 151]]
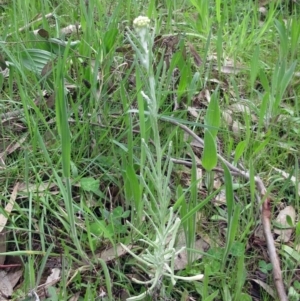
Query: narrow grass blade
[[107, 279], [229, 193], [240, 276]]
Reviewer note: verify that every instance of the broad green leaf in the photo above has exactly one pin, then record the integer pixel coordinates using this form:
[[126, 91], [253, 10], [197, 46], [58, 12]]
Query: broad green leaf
[[35, 59], [290, 221], [283, 36], [240, 275], [295, 35], [117, 212], [245, 297], [100, 228], [70, 44], [226, 293], [196, 4], [89, 184], [237, 249], [291, 253], [218, 10], [263, 79], [212, 296], [209, 155], [263, 112], [287, 76], [212, 117], [110, 39], [133, 187], [59, 47], [184, 81]]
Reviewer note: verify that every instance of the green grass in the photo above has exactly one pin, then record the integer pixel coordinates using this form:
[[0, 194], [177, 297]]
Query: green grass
[[95, 161]]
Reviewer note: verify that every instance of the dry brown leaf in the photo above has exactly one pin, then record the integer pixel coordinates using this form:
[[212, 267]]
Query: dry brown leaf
[[285, 234], [236, 127], [5, 73], [8, 280], [70, 29], [240, 108], [44, 186], [200, 99], [199, 178], [102, 293], [2, 247], [193, 111], [212, 58], [3, 220], [6, 288], [194, 54], [227, 69], [220, 198], [210, 241], [227, 117], [216, 81], [50, 101], [266, 287], [262, 10], [53, 277], [259, 233], [232, 67], [207, 95], [47, 69], [264, 2], [194, 142], [181, 260], [113, 253], [185, 176], [75, 297], [217, 181], [43, 33], [10, 149], [14, 276]]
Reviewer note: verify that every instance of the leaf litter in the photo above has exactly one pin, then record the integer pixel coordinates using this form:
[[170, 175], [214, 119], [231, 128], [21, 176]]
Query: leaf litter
[[9, 277], [284, 224]]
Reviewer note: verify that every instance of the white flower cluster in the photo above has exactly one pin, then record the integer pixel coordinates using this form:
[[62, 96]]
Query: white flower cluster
[[141, 25], [141, 21]]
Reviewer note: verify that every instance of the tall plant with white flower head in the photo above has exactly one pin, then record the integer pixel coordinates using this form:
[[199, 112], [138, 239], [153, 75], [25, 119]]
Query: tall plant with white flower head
[[160, 253]]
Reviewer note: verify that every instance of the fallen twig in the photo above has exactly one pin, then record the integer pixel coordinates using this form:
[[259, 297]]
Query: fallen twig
[[48, 16], [265, 208], [190, 164]]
